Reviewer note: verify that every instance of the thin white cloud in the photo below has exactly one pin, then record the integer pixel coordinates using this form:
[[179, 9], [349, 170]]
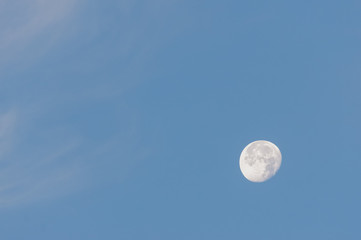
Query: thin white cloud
[[45, 160], [29, 172], [24, 21], [7, 123]]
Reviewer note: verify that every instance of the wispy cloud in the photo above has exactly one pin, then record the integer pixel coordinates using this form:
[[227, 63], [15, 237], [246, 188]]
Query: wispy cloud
[[25, 19], [24, 22], [7, 123], [31, 171], [35, 162], [67, 121]]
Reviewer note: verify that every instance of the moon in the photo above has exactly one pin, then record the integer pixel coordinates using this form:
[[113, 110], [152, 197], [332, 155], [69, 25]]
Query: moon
[[260, 160]]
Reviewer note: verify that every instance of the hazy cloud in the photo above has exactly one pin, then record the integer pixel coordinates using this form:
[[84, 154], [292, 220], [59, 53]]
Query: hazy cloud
[[7, 123], [25, 21], [68, 119], [33, 170]]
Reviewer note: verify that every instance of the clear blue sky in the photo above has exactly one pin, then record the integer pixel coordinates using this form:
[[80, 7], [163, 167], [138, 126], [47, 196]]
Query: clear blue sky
[[125, 119]]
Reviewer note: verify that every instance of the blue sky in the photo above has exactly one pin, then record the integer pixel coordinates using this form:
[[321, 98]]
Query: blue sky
[[126, 119]]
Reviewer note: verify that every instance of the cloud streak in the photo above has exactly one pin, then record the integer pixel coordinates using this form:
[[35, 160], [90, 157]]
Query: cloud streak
[[24, 22], [7, 123], [29, 173], [66, 118]]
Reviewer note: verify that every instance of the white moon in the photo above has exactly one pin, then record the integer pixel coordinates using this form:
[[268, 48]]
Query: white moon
[[260, 160]]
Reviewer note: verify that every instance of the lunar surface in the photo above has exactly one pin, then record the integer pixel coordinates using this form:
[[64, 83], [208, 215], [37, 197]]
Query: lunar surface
[[260, 160]]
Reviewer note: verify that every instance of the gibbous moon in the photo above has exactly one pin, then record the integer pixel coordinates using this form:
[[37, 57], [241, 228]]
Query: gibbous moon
[[260, 160]]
